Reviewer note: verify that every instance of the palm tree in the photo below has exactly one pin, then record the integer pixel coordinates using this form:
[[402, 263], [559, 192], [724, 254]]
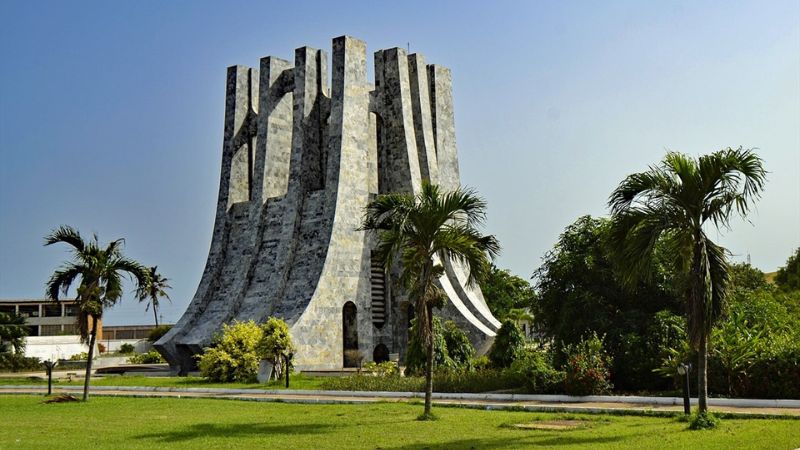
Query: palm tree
[[674, 203], [13, 332], [100, 272], [422, 231], [153, 290]]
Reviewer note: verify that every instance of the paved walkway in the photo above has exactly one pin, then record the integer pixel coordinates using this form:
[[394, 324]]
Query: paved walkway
[[362, 397]]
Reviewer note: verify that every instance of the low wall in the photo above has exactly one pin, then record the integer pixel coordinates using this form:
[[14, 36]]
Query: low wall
[[54, 347], [139, 345]]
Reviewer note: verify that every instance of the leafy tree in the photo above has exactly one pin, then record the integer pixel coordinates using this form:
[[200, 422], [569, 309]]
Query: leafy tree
[[421, 231], [233, 355], [673, 202], [746, 277], [151, 292], [505, 292], [100, 272], [156, 333], [508, 345], [275, 343], [788, 276], [587, 367], [12, 332], [579, 292]]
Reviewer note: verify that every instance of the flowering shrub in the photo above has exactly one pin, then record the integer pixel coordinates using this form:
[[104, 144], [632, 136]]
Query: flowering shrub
[[233, 355], [587, 367]]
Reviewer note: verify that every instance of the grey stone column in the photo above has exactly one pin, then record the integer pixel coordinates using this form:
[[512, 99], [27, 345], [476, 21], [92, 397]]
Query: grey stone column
[[274, 144], [398, 152], [423, 125], [444, 131]]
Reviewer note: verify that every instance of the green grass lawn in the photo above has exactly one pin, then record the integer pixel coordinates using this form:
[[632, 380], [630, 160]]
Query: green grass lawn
[[296, 381], [106, 422]]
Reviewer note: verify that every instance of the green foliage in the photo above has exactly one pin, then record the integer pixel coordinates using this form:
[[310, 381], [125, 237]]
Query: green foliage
[[374, 384], [505, 292], [17, 362], [508, 345], [788, 276], [275, 341], [703, 421], [151, 357], [157, 332], [745, 277], [12, 332], [580, 292], [459, 348], [443, 381], [587, 367], [83, 356], [445, 336], [126, 349], [536, 368], [384, 369], [154, 289], [233, 355]]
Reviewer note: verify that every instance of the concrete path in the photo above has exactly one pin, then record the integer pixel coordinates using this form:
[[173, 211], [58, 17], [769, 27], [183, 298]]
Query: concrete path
[[478, 401]]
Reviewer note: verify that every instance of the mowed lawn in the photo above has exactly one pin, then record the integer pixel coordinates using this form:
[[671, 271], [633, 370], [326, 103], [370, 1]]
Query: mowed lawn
[[107, 422]]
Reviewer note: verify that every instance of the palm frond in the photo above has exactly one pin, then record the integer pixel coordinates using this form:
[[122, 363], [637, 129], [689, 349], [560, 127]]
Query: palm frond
[[67, 235]]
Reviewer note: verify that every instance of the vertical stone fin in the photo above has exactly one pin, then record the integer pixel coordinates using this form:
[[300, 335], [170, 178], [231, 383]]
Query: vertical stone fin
[[444, 132], [423, 125]]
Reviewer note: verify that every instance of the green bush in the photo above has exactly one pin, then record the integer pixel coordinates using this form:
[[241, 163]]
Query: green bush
[[508, 345], [233, 355], [478, 381], [374, 384], [535, 367], [83, 356], [151, 357], [415, 354], [274, 343], [587, 367], [703, 421], [384, 369], [459, 348], [157, 332], [16, 362], [127, 349]]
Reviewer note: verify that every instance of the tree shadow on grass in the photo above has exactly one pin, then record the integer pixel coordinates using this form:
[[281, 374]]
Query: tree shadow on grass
[[235, 430]]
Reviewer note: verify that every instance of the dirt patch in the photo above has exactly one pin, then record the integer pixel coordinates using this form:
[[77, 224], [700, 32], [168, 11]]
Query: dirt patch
[[552, 425]]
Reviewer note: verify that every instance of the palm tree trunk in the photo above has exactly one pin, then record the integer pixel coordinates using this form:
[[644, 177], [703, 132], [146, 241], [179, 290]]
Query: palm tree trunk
[[702, 375], [429, 367], [92, 339], [155, 313]]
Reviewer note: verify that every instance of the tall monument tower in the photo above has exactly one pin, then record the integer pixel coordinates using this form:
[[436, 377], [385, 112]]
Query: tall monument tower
[[300, 162]]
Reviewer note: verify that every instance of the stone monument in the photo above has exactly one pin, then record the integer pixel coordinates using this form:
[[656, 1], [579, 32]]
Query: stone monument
[[300, 161]]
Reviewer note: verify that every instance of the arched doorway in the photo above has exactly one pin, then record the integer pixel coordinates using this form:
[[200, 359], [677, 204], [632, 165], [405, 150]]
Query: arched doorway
[[380, 354], [350, 335]]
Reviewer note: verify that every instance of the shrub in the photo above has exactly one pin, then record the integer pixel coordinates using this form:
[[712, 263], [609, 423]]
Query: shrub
[[535, 367], [127, 349], [79, 356], [415, 354], [274, 343], [233, 355], [703, 421], [16, 362], [477, 380], [508, 345], [101, 348], [587, 367], [370, 383], [384, 369], [157, 332], [459, 348], [151, 357]]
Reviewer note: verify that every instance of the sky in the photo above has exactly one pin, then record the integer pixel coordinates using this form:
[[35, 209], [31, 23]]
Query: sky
[[111, 114]]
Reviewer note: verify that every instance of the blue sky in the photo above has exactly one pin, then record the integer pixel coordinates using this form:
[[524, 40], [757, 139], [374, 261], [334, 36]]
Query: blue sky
[[111, 114]]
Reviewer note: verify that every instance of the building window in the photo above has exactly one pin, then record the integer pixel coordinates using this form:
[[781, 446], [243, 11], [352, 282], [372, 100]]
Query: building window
[[52, 310], [8, 309], [377, 278], [70, 310], [29, 310], [33, 330], [50, 330], [70, 329]]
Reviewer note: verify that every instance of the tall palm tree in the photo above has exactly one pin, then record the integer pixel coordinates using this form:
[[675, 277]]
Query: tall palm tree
[[675, 203], [422, 231], [13, 332], [100, 272], [156, 288]]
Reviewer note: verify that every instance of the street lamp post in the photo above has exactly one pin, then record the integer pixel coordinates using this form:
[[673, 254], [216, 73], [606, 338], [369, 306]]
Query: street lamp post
[[49, 364], [683, 370]]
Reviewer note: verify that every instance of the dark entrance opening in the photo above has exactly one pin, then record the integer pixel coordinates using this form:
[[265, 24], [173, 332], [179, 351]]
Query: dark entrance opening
[[380, 354], [350, 335]]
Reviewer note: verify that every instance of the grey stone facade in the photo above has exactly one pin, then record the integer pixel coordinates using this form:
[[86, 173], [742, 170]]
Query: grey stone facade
[[300, 162]]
